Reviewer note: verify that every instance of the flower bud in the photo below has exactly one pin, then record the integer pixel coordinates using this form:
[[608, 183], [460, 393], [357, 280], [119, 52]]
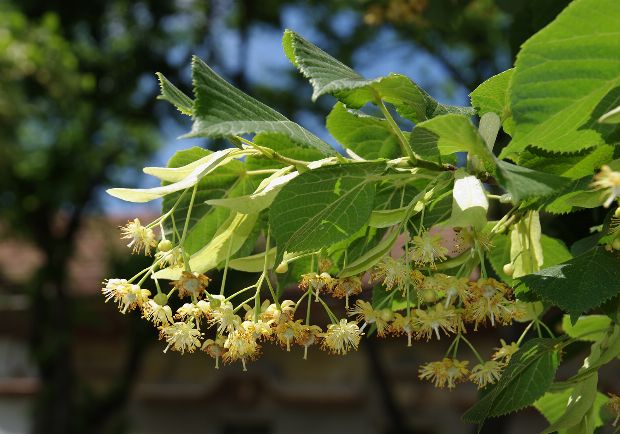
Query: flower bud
[[282, 268], [429, 296], [214, 302], [509, 269], [617, 213], [616, 243], [161, 299], [164, 246]]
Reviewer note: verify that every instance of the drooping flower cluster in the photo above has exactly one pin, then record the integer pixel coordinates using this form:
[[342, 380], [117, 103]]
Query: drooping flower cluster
[[429, 305]]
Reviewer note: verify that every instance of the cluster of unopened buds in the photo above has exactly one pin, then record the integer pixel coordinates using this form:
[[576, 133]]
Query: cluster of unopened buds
[[435, 304]]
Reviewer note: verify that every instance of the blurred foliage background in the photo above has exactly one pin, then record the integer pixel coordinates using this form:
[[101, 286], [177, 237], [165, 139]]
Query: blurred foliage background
[[78, 113]]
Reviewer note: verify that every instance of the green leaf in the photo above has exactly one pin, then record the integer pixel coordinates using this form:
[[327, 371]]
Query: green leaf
[[323, 206], [567, 76], [330, 76], [585, 327], [370, 258], [577, 406], [579, 284], [493, 95], [523, 183], [452, 133], [526, 378], [228, 240], [172, 94], [574, 196], [575, 165], [221, 110], [367, 136], [592, 420], [568, 408]]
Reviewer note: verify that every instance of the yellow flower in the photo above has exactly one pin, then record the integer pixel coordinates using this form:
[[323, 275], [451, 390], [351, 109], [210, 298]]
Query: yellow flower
[[227, 321], [156, 313], [614, 406], [434, 319], [346, 287], [486, 373], [181, 336], [188, 311], [307, 335], [170, 258], [403, 325], [394, 272], [125, 294], [365, 312], [453, 288], [286, 333], [142, 238], [489, 301], [215, 348], [316, 282], [342, 337], [427, 248], [260, 329], [191, 284], [505, 352], [271, 311], [240, 345], [446, 372], [609, 180]]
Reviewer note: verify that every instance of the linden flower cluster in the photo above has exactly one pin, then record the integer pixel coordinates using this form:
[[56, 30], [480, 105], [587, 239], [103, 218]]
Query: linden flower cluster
[[436, 305], [238, 336]]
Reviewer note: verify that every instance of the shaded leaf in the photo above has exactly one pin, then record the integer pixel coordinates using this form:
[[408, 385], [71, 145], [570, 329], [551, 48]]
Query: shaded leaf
[[494, 96], [526, 378], [221, 110], [579, 284], [523, 183], [367, 136], [172, 94], [451, 133], [323, 206], [330, 76]]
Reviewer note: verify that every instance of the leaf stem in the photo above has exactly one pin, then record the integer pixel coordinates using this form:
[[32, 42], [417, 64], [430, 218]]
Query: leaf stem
[[473, 350], [184, 234], [402, 141], [271, 154]]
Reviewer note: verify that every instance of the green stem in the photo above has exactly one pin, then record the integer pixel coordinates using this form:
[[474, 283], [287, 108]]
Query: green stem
[[473, 350], [246, 301], [273, 293], [527, 329], [186, 226], [454, 342], [163, 217], [271, 154], [241, 291], [225, 274], [333, 317], [398, 133]]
